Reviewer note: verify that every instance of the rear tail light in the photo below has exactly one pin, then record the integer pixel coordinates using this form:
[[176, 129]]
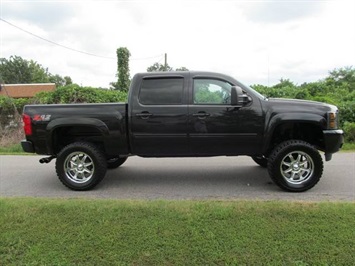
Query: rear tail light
[[27, 125]]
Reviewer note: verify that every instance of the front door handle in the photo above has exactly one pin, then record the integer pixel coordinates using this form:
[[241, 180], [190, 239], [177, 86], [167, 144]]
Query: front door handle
[[144, 115]]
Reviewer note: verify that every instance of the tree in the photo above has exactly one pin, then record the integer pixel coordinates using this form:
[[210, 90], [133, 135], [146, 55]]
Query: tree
[[157, 67], [181, 69], [123, 78], [60, 81], [284, 83], [342, 77], [17, 70]]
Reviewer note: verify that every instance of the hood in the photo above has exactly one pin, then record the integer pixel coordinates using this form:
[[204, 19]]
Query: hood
[[302, 104]]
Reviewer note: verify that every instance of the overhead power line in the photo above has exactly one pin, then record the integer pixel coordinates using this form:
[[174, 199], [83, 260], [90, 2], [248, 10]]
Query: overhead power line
[[54, 43], [70, 48]]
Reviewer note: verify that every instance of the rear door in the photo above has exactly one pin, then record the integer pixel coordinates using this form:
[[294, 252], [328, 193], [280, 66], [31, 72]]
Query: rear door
[[159, 117]]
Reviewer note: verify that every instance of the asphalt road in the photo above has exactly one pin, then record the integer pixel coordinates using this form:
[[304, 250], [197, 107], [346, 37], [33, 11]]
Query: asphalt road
[[219, 178]]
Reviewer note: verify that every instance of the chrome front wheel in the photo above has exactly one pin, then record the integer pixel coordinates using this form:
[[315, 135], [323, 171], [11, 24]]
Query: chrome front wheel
[[297, 167]]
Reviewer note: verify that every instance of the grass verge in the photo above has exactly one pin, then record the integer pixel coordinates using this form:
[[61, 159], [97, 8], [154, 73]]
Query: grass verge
[[12, 149], [112, 232], [348, 147]]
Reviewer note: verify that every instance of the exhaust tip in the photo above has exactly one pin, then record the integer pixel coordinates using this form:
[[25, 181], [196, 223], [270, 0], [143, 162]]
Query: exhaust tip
[[47, 159]]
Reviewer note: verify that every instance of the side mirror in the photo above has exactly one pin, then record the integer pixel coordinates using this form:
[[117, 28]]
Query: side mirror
[[238, 98]]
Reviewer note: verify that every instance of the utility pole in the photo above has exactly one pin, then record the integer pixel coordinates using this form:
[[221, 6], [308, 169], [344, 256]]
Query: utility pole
[[165, 62]]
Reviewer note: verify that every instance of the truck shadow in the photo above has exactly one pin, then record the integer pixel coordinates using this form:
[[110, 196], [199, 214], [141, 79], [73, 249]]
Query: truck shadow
[[177, 178]]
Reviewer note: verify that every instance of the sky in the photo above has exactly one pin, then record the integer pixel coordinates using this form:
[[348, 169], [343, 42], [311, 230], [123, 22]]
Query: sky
[[257, 42]]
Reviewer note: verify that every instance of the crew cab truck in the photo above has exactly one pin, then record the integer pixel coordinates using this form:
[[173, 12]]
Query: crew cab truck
[[185, 114]]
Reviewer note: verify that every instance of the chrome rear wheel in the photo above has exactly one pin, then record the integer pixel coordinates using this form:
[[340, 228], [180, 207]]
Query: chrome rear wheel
[[79, 167]]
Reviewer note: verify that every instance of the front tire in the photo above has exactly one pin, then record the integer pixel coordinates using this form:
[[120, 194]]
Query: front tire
[[81, 166], [295, 166]]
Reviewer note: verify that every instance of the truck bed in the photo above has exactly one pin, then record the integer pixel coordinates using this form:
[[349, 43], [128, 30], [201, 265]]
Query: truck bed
[[106, 123]]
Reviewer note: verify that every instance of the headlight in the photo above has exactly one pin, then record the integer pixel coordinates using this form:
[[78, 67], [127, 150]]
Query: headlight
[[332, 120]]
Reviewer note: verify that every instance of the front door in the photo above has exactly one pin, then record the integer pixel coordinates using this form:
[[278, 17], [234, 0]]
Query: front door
[[218, 128]]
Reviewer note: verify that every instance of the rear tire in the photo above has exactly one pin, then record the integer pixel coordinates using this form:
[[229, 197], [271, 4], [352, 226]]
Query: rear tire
[[295, 166], [81, 166]]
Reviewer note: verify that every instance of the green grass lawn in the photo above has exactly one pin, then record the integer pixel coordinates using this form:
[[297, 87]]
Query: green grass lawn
[[114, 232]]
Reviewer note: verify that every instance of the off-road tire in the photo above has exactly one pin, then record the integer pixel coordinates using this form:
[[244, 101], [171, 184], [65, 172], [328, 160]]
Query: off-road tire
[[295, 166], [81, 166]]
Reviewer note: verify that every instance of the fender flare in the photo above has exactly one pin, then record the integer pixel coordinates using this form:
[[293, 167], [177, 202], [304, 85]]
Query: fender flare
[[63, 122], [283, 118]]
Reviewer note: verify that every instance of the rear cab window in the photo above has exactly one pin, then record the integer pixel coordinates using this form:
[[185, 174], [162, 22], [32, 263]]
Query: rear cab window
[[162, 91]]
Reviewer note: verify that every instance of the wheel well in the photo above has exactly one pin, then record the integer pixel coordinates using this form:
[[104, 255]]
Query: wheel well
[[307, 132], [63, 136]]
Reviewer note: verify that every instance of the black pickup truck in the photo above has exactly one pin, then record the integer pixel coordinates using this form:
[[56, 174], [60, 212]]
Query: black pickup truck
[[185, 114]]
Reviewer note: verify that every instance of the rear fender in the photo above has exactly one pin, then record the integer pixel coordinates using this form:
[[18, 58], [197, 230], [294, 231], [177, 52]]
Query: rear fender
[[88, 122]]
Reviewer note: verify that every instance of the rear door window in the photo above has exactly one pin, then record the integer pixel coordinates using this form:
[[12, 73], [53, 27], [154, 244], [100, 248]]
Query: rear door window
[[161, 91]]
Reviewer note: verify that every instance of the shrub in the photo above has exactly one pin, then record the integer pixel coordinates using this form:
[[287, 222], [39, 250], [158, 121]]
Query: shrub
[[349, 129], [324, 99], [9, 111], [347, 112], [76, 94]]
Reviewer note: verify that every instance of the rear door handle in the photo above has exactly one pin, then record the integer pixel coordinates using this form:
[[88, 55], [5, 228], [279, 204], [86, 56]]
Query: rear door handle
[[144, 115]]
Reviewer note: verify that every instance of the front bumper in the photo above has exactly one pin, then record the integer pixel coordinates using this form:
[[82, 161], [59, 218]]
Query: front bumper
[[27, 146], [333, 140]]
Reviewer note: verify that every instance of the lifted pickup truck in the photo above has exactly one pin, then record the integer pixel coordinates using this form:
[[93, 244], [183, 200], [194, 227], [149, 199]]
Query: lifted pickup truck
[[185, 114]]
